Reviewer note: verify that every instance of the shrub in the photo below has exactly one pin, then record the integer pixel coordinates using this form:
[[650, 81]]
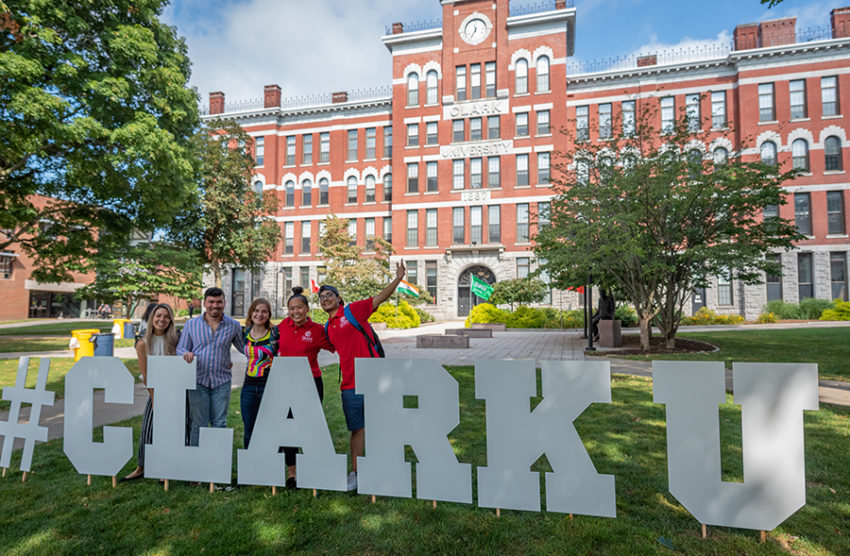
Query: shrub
[[525, 317], [318, 315], [182, 313], [706, 316], [812, 308], [626, 315], [424, 316], [400, 316], [840, 311], [767, 318], [485, 313], [781, 309]]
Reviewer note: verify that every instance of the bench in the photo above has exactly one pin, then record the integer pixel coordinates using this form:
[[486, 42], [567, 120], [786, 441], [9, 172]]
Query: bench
[[437, 341], [471, 332], [495, 326]]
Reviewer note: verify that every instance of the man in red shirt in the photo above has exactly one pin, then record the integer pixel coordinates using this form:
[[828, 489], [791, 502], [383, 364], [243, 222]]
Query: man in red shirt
[[350, 344]]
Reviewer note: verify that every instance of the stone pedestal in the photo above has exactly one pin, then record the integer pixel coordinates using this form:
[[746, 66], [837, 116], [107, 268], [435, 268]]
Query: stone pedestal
[[471, 332], [448, 341], [495, 326], [610, 333]]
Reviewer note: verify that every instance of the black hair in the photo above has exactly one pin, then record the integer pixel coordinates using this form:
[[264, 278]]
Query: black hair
[[297, 293], [148, 310], [213, 292]]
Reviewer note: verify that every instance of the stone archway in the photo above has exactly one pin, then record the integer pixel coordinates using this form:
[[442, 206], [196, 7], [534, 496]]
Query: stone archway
[[465, 298]]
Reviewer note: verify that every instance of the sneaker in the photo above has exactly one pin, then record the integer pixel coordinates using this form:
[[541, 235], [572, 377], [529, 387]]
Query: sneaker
[[352, 481], [291, 483]]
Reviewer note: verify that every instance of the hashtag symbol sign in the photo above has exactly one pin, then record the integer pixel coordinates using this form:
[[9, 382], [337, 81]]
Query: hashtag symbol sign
[[29, 431]]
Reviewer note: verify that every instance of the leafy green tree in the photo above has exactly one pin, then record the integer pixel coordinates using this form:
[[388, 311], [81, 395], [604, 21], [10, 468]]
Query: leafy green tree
[[518, 290], [355, 276], [653, 216], [232, 224], [96, 121], [132, 273]]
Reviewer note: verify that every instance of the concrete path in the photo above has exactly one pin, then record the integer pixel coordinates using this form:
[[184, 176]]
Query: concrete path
[[538, 345]]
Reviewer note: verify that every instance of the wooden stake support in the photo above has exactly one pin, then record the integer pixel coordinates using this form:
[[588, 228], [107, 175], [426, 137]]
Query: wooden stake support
[[498, 512], [762, 536], [704, 531], [314, 493], [165, 486], [212, 487], [571, 517], [434, 503], [24, 479], [373, 498], [4, 471], [88, 480], [114, 481], [274, 490]]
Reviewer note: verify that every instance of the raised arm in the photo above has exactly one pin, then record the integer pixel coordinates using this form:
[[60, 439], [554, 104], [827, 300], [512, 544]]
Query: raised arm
[[388, 291]]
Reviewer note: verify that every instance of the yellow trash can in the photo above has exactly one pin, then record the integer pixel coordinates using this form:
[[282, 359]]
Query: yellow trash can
[[118, 328], [81, 342]]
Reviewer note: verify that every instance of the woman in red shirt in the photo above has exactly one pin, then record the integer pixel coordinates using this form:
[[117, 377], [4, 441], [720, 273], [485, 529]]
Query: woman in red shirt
[[301, 337]]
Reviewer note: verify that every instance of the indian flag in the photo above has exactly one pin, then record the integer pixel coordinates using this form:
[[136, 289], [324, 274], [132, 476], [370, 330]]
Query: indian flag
[[406, 287]]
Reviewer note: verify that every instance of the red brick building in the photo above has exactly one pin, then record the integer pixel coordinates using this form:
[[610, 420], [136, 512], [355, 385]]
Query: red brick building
[[452, 162]]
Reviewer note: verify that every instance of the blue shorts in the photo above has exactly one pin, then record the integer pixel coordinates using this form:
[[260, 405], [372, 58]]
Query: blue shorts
[[352, 407]]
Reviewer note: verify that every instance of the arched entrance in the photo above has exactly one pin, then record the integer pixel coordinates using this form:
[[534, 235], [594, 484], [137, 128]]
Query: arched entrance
[[466, 300]]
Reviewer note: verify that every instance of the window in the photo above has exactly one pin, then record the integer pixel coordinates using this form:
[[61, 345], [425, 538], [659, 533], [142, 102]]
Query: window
[[388, 187], [305, 237], [258, 187], [475, 225], [490, 79], [431, 87], [431, 176], [766, 109], [305, 278], [431, 278], [724, 288], [458, 226], [668, 114], [324, 147], [412, 135], [494, 224], [493, 131], [773, 282], [768, 153], [521, 72], [289, 189], [605, 120], [832, 153], [721, 156], [412, 228], [542, 215], [771, 211], [522, 264], [290, 150], [371, 142], [457, 130], [797, 93], [522, 169], [288, 237], [829, 96], [307, 149], [352, 145], [628, 117], [582, 123], [413, 177], [306, 193], [460, 83], [369, 232], [475, 129], [493, 171], [323, 191], [835, 212], [7, 263], [475, 81], [370, 189], [692, 112], [802, 213], [582, 170], [543, 123], [259, 150], [412, 89], [804, 275], [458, 171], [388, 229], [352, 232], [543, 168], [475, 173], [543, 74], [431, 133], [351, 187], [718, 109], [522, 124], [388, 141], [522, 223], [412, 271], [287, 278], [838, 275], [431, 228], [800, 155]]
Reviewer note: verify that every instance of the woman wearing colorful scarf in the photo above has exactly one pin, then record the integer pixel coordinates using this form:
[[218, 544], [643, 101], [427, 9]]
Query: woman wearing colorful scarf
[[261, 345]]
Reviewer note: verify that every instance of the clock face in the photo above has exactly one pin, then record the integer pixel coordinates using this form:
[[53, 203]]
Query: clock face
[[475, 30]]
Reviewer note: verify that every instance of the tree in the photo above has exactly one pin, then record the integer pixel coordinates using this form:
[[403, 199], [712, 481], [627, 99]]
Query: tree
[[232, 225], [136, 272], [353, 274], [518, 290], [96, 121], [653, 216]]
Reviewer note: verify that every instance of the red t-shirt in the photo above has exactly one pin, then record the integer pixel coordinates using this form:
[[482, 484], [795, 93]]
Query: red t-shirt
[[348, 341], [305, 340]]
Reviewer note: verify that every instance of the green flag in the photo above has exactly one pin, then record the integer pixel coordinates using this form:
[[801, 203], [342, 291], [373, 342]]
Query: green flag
[[481, 288]]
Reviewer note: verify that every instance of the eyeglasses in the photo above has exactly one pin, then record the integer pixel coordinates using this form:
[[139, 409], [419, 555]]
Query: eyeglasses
[[327, 295]]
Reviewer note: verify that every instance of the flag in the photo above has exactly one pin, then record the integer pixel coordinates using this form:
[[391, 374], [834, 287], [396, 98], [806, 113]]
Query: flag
[[314, 287], [406, 287], [579, 289], [481, 288]]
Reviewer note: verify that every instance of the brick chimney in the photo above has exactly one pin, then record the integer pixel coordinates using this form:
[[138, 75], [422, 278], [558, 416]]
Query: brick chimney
[[840, 20], [339, 96], [648, 60], [398, 28], [560, 4], [217, 103], [776, 32], [746, 36], [271, 96]]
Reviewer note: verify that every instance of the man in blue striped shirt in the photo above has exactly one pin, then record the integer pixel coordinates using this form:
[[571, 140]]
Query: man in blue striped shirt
[[208, 338]]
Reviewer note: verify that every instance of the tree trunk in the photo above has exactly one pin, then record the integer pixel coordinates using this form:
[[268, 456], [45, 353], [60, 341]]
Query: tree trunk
[[670, 338], [645, 323], [216, 273]]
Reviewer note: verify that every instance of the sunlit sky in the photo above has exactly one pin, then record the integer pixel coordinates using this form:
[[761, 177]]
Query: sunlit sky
[[319, 46]]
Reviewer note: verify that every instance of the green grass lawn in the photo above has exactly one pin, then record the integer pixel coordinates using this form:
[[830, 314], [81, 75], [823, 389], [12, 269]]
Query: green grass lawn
[[12, 344], [58, 328], [55, 512], [828, 347]]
